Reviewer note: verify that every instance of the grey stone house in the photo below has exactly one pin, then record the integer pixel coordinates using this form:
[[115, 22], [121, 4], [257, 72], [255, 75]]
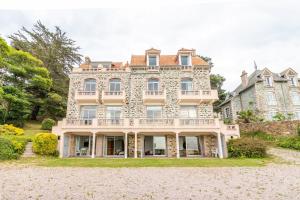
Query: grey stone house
[[265, 92]]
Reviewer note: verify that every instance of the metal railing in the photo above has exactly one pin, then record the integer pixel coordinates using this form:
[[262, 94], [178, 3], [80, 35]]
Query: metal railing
[[206, 92]]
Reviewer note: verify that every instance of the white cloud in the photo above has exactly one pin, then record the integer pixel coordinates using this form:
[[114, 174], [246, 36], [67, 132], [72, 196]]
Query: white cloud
[[232, 33]]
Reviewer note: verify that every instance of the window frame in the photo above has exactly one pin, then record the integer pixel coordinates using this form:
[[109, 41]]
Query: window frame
[[152, 82], [271, 101], [149, 58], [185, 81], [88, 85], [190, 115], [295, 96], [154, 112], [187, 60], [114, 82]]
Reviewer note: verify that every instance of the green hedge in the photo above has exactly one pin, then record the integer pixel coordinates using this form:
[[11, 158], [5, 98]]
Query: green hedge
[[8, 149], [48, 123], [45, 144], [246, 148]]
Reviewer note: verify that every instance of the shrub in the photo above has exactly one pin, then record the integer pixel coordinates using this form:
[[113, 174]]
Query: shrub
[[48, 123], [45, 144], [246, 148], [7, 150], [9, 129], [298, 130], [289, 142]]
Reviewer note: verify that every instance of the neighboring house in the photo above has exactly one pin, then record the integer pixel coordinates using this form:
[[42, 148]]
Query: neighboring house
[[158, 105], [266, 93]]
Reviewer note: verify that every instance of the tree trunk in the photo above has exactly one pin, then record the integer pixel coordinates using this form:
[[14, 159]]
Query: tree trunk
[[35, 112]]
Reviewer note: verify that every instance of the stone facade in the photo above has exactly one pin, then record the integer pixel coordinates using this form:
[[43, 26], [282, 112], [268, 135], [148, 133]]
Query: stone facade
[[274, 127], [254, 95]]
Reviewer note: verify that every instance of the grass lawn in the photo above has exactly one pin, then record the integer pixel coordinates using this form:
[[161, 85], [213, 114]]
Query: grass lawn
[[146, 162], [33, 127]]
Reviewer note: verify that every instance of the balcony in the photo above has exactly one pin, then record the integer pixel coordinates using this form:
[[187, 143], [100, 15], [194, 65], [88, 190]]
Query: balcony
[[113, 123], [187, 68], [154, 97], [197, 97], [113, 97], [153, 68], [87, 96], [79, 123]]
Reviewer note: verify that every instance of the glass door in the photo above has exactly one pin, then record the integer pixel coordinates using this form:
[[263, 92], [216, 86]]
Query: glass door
[[159, 144], [115, 146]]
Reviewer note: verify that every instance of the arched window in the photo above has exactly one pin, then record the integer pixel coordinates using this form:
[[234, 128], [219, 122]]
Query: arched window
[[90, 84], [115, 85], [153, 84], [187, 84]]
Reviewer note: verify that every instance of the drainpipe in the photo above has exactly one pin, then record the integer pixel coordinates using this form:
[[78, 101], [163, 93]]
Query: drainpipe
[[284, 102]]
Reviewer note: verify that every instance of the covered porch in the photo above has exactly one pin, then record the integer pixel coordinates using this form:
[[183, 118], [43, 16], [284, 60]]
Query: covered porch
[[141, 144]]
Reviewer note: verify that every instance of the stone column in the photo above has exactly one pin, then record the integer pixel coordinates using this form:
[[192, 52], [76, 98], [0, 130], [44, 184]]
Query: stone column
[[220, 149], [93, 145], [126, 145], [177, 146], [61, 145], [135, 145]]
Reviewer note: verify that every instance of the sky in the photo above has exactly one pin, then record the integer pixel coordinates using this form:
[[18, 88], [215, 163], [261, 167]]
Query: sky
[[234, 33]]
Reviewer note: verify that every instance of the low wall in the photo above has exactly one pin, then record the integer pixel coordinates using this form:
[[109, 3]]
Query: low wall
[[274, 127]]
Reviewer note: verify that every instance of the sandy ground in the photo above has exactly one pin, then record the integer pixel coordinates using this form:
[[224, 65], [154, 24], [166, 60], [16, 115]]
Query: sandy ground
[[272, 182]]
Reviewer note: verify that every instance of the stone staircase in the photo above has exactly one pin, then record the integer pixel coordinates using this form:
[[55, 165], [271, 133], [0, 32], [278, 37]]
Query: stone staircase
[[28, 151]]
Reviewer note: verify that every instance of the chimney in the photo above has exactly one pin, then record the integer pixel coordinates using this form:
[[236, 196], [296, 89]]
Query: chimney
[[244, 78]]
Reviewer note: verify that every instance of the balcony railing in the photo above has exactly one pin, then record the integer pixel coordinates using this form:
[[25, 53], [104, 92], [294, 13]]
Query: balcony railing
[[98, 69], [113, 97], [110, 122], [79, 122], [83, 96], [186, 68], [153, 68], [196, 122], [154, 97], [197, 96], [113, 93], [156, 121], [154, 92]]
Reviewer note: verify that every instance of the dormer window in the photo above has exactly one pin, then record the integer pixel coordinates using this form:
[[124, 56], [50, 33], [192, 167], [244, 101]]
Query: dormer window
[[268, 81], [152, 60], [184, 60], [293, 81]]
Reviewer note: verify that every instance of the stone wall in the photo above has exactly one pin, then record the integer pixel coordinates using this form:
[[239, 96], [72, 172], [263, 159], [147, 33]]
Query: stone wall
[[210, 145], [274, 127], [171, 145]]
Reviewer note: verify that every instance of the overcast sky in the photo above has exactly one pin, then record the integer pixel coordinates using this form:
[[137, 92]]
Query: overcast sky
[[233, 33]]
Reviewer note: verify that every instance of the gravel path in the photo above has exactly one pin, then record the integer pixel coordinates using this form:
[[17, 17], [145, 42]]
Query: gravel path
[[286, 155], [271, 182]]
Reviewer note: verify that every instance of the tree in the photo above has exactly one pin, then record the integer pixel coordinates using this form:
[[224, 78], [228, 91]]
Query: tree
[[216, 82], [25, 84], [57, 51]]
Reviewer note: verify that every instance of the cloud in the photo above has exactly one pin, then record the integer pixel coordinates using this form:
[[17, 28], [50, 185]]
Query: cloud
[[233, 34]]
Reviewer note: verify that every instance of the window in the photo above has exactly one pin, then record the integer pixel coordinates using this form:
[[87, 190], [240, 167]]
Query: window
[[184, 60], [271, 100], [268, 81], [188, 112], [87, 114], [115, 85], [89, 85], [153, 84], [113, 112], [189, 146], [187, 84], [154, 112], [295, 98], [227, 112], [155, 145], [293, 80], [115, 146], [152, 60]]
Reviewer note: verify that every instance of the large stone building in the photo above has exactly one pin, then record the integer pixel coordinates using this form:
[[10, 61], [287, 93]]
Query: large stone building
[[267, 93], [156, 105]]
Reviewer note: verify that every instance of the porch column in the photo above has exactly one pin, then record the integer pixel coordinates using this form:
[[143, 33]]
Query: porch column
[[126, 145], [177, 145], [93, 145], [220, 149], [135, 145], [61, 145]]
